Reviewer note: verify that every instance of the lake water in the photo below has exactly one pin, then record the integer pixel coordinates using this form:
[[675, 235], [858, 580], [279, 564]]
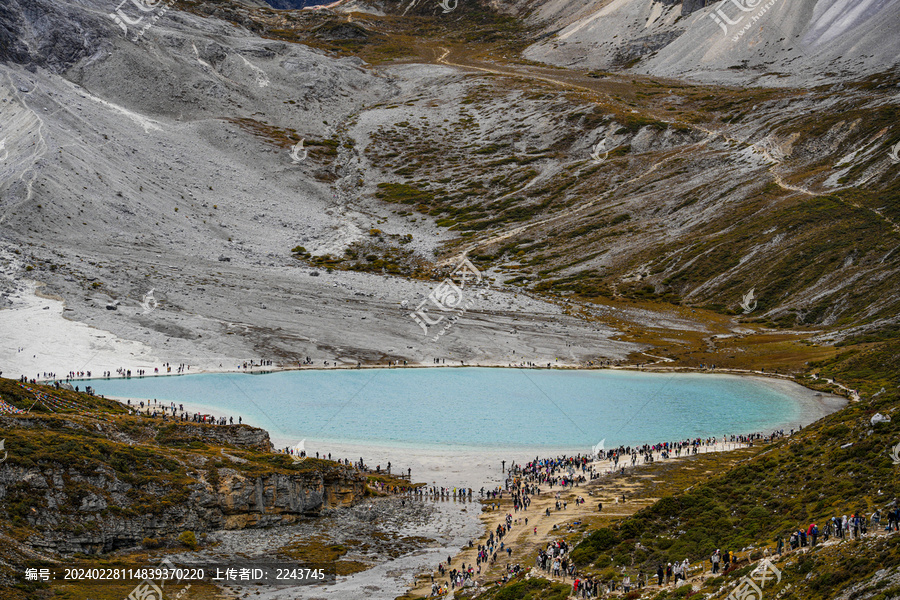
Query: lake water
[[482, 408], [456, 426]]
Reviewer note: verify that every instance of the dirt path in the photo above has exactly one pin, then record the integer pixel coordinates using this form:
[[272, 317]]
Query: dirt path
[[499, 237], [780, 182], [512, 72], [24, 120], [522, 538]]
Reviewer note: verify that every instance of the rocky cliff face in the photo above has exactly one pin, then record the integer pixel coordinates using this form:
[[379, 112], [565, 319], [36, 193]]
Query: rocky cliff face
[[263, 501], [689, 6], [235, 502], [74, 485]]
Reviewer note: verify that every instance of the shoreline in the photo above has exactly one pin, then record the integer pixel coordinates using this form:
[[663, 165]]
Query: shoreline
[[425, 455], [852, 395], [437, 465], [417, 567], [417, 582], [35, 308], [466, 464]]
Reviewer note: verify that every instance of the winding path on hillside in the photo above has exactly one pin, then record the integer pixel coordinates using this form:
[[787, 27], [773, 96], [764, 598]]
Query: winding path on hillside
[[802, 190], [21, 124], [499, 237], [512, 72], [525, 72]]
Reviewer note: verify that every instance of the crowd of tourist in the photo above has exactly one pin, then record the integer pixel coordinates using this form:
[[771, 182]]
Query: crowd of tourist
[[852, 527], [155, 409]]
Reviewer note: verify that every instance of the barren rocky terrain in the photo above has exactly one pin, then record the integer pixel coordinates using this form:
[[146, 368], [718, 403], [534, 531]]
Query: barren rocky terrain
[[163, 161]]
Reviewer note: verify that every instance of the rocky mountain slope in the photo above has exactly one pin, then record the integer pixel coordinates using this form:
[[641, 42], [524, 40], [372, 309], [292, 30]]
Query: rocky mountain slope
[[163, 156], [623, 173], [771, 43]]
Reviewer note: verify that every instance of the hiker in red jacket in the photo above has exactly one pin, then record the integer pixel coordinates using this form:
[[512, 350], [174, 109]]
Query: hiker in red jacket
[[813, 533]]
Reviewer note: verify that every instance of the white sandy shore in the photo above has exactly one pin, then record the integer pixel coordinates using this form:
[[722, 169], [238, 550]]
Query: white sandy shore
[[36, 338]]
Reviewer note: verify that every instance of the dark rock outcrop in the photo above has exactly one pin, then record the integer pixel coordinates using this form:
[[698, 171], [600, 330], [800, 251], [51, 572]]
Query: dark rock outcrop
[[96, 483], [240, 436], [649, 44], [30, 34], [689, 6], [102, 522]]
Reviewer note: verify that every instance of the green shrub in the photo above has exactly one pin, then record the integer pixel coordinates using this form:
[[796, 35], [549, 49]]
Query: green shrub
[[533, 589], [593, 545], [212, 476], [188, 539]]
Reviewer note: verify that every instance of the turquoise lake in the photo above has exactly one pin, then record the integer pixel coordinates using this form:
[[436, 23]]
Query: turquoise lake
[[488, 408]]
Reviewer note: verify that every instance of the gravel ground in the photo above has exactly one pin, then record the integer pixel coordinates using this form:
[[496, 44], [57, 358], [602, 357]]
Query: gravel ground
[[399, 538]]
